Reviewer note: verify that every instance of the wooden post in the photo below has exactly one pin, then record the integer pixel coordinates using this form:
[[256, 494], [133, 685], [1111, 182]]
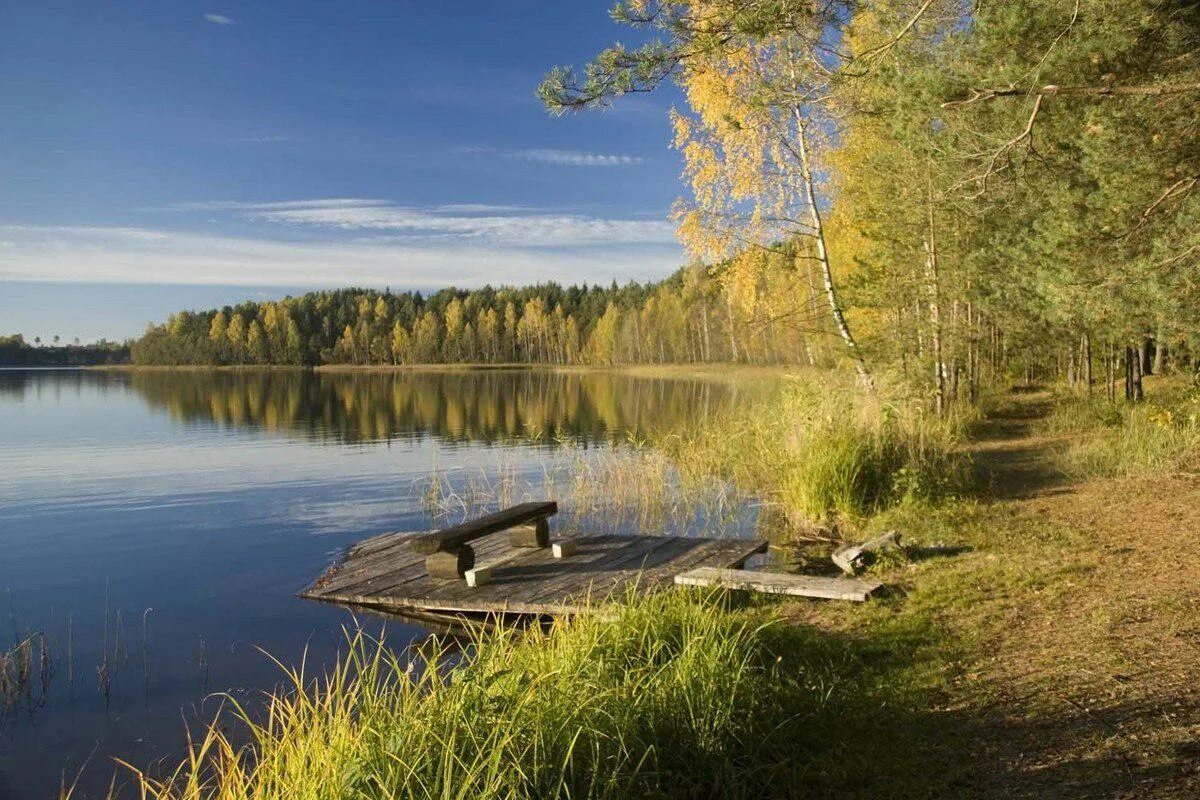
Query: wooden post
[[564, 548], [536, 534], [450, 565]]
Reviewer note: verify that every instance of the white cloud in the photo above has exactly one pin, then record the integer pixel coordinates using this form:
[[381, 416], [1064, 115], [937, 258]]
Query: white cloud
[[266, 139], [572, 158], [479, 208], [220, 19], [484, 224], [134, 255]]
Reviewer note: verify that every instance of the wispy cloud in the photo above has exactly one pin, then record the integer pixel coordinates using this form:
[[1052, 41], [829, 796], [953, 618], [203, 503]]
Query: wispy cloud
[[272, 139], [574, 158], [136, 255], [220, 19], [478, 223], [561, 158]]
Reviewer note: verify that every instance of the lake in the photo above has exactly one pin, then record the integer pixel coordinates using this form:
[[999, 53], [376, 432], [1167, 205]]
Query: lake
[[156, 525]]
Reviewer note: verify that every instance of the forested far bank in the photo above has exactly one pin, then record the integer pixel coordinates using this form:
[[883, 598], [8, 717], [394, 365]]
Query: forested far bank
[[688, 318], [15, 351]]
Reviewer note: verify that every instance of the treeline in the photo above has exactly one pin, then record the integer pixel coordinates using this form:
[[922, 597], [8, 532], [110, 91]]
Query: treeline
[[686, 318], [16, 352]]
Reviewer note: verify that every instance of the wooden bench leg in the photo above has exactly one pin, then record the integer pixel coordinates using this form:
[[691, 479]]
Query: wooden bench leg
[[450, 565], [534, 535]]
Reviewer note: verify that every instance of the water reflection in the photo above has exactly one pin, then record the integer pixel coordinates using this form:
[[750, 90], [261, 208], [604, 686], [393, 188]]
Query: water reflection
[[480, 405]]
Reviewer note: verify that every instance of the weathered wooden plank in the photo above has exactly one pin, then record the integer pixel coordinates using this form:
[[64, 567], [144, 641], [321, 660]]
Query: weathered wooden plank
[[780, 583], [599, 576], [683, 553], [720, 553], [355, 563], [491, 523]]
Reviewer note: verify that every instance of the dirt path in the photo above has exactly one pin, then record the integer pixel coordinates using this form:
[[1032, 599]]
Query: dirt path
[[1090, 686]]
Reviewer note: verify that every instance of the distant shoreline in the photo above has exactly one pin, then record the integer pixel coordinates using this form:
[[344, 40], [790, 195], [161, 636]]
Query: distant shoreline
[[708, 371]]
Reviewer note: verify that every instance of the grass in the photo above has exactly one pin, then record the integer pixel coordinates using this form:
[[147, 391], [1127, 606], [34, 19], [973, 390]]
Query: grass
[[676, 696], [1124, 439], [827, 453]]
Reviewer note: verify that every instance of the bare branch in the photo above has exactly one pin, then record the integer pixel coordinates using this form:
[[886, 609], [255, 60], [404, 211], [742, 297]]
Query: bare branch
[[1147, 90]]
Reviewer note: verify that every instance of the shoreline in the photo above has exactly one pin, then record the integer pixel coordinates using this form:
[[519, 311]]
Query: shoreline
[[709, 371]]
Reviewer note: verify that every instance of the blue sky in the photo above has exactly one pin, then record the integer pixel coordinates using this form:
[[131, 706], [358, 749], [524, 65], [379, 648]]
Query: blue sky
[[182, 154]]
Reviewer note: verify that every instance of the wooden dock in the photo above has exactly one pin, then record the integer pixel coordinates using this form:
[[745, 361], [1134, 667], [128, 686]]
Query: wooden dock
[[392, 571]]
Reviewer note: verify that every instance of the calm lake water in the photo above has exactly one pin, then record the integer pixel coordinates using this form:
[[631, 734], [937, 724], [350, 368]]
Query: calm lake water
[[155, 527]]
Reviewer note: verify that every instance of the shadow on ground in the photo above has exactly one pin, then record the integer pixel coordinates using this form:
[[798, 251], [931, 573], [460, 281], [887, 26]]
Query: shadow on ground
[[1011, 460]]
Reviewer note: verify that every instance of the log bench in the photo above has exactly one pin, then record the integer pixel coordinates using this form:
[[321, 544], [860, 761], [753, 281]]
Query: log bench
[[449, 553]]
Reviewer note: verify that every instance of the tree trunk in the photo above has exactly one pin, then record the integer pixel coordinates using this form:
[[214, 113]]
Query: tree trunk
[[935, 315], [831, 295], [1110, 359], [733, 350], [1087, 361], [1139, 369]]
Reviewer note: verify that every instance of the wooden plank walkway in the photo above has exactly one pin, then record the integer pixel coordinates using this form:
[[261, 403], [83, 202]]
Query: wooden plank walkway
[[387, 572], [781, 583]]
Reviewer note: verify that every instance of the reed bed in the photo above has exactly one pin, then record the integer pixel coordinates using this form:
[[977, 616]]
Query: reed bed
[[627, 488], [667, 697], [26, 670], [827, 453]]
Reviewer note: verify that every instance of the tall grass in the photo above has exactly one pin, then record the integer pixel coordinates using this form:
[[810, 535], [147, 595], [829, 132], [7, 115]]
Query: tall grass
[[1123, 439], [828, 452], [670, 698]]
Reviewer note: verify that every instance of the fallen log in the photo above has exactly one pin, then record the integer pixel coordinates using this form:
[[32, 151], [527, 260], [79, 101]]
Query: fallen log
[[852, 559]]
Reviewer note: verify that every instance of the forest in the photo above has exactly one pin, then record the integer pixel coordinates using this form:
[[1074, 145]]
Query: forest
[[686, 318], [947, 190], [16, 352]]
